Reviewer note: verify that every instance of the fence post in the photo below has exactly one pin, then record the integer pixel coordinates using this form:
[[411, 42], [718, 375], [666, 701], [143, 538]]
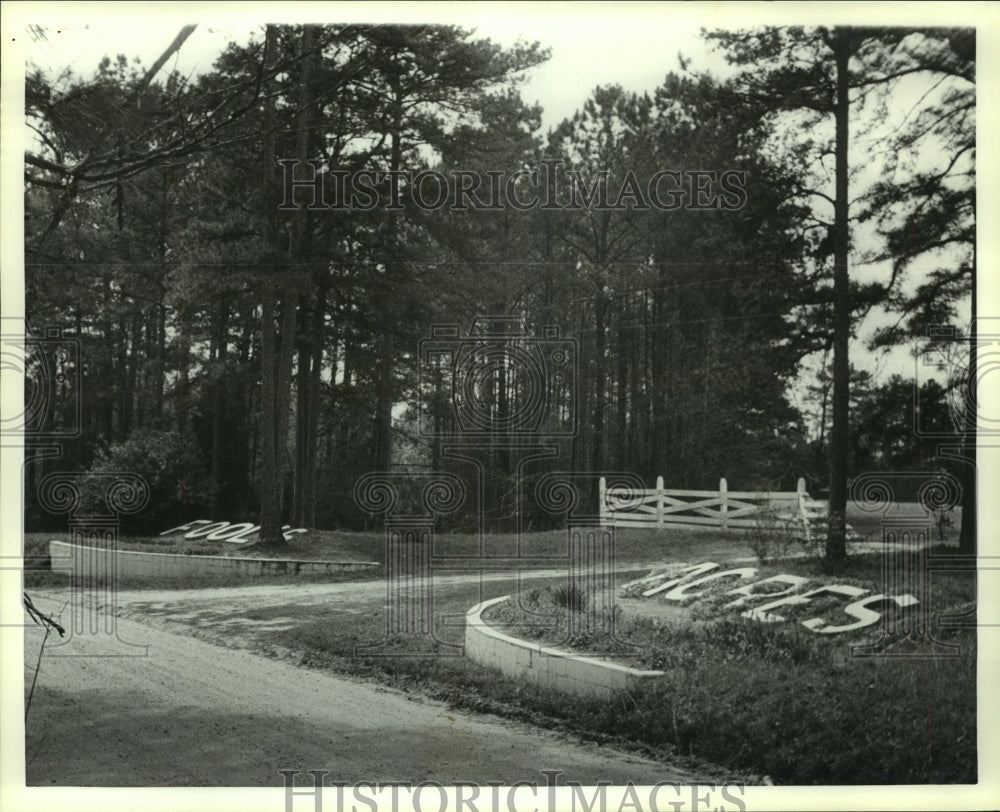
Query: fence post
[[602, 509], [659, 502], [724, 505], [803, 515]]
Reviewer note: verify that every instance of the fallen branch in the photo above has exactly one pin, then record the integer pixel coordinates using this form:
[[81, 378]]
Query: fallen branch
[[43, 620]]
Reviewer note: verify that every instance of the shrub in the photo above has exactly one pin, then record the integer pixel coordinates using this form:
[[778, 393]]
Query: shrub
[[569, 596], [769, 538], [170, 466], [741, 638]]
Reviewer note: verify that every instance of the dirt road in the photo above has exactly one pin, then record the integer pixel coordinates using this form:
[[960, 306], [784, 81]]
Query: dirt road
[[195, 714]]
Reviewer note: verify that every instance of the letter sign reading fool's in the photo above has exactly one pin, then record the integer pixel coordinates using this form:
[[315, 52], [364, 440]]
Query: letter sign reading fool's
[[226, 531]]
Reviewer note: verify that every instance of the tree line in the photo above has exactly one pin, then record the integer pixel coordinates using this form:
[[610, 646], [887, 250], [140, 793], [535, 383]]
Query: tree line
[[255, 359]]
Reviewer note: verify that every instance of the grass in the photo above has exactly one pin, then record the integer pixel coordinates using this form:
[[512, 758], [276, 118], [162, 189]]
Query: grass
[[46, 578], [631, 545], [38, 573], [774, 700], [317, 545], [436, 669], [780, 700], [335, 545], [766, 700], [951, 591]]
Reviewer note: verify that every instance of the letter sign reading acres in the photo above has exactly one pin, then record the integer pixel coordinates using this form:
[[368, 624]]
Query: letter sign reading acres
[[681, 585], [226, 531]]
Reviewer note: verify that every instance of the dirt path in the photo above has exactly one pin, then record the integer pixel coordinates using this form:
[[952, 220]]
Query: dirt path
[[304, 594], [221, 613], [194, 714]]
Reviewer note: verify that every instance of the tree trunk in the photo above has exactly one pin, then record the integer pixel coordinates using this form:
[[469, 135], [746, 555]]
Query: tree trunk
[[301, 417], [272, 442], [311, 349], [622, 459], [270, 497], [836, 541], [385, 305], [658, 390], [967, 542], [159, 370], [311, 438], [307, 413], [245, 430], [218, 409], [578, 450], [600, 380]]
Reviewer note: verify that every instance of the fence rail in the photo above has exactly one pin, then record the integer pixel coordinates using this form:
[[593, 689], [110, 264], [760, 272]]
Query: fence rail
[[658, 507]]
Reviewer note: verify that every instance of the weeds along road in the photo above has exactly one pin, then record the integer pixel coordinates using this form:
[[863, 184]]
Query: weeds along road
[[196, 714]]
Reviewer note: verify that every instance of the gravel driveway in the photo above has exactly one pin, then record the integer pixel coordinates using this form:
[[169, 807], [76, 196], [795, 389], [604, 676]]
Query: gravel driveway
[[196, 714]]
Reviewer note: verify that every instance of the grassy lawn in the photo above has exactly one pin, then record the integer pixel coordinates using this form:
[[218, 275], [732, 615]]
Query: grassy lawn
[[632, 546], [37, 570], [776, 700], [342, 642], [337, 545], [781, 700], [760, 699]]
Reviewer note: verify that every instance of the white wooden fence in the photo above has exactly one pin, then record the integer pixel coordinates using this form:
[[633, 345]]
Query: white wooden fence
[[626, 507]]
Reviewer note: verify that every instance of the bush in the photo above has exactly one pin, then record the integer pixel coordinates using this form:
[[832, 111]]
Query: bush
[[769, 538], [570, 596], [744, 639], [178, 484]]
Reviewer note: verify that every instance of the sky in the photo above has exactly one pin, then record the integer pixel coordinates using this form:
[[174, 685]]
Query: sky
[[634, 44], [588, 50], [630, 43]]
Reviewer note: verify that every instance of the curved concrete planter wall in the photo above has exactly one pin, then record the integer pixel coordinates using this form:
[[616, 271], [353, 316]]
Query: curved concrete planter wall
[[132, 564], [543, 666]]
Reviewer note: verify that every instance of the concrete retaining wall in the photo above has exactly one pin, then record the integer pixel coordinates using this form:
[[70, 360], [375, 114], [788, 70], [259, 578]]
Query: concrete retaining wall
[[543, 666], [132, 564]]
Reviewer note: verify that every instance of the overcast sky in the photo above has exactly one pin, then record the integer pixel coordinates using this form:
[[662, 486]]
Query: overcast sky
[[635, 47], [631, 44]]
